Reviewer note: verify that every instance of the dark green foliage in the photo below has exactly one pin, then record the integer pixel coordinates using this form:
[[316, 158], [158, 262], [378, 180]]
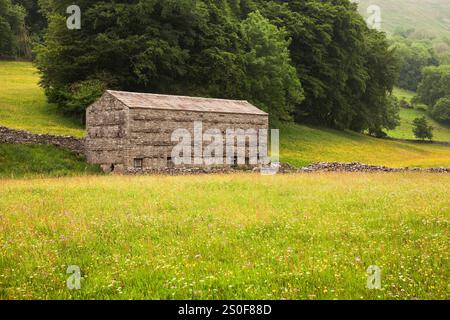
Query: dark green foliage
[[82, 94], [434, 86], [413, 57], [34, 20], [441, 110], [421, 129], [12, 29], [273, 84], [314, 60]]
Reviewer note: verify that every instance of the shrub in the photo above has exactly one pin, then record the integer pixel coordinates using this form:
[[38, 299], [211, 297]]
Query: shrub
[[405, 104], [421, 129]]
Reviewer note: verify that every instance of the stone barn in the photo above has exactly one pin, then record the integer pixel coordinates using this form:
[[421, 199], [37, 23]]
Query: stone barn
[[133, 132]]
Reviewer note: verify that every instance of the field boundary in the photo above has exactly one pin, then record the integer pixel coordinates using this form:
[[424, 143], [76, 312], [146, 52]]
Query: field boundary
[[364, 168], [442, 143], [13, 136]]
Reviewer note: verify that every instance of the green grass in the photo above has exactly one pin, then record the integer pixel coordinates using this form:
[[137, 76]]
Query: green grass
[[38, 160], [404, 94], [302, 145], [23, 104], [430, 15], [404, 131], [309, 236]]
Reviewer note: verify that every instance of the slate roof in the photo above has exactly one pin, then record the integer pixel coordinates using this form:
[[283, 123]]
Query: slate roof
[[135, 100]]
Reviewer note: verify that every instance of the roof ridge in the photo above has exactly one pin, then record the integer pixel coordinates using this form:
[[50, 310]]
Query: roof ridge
[[177, 96], [135, 100]]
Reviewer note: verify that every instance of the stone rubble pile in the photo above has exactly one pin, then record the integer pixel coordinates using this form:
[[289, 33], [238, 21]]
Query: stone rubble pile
[[360, 167]]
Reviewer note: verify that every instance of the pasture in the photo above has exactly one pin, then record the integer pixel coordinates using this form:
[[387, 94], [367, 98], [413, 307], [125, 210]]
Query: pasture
[[304, 236]]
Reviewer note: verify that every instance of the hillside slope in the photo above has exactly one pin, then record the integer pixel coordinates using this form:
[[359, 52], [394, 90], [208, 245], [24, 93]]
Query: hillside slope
[[301, 145], [430, 15], [441, 131], [22, 105]]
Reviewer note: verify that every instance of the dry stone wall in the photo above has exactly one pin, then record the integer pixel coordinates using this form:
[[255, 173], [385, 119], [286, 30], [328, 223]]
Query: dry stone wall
[[11, 136], [361, 167]]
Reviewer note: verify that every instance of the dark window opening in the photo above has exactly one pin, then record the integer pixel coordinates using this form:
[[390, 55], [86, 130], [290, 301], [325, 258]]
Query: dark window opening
[[170, 163], [138, 163]]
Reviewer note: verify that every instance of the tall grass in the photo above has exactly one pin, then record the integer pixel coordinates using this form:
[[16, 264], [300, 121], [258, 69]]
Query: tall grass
[[307, 236]]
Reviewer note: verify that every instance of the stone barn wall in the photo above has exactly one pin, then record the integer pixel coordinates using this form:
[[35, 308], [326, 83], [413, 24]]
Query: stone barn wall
[[151, 131], [120, 135], [106, 123]]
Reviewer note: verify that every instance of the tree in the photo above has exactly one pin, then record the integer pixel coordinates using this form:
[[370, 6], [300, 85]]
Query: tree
[[421, 129], [335, 72], [434, 86], [272, 80], [12, 29], [183, 47], [413, 57], [441, 110], [186, 47], [346, 70]]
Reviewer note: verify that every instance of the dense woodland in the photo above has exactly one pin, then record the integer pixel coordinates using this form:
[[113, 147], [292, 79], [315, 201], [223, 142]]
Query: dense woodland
[[313, 61]]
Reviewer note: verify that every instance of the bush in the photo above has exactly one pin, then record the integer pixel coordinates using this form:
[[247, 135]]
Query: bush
[[83, 94], [441, 110], [405, 104], [378, 133], [421, 129]]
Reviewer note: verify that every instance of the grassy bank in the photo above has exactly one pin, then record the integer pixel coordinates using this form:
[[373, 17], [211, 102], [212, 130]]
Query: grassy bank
[[301, 145], [18, 161], [225, 237], [23, 104]]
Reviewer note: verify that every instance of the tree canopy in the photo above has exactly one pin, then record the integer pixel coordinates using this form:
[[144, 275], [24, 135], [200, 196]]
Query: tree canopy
[[310, 60], [413, 57], [435, 85], [12, 29]]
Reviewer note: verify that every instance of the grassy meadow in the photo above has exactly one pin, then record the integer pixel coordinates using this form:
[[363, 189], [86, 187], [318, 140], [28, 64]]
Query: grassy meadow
[[304, 236], [23, 104]]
